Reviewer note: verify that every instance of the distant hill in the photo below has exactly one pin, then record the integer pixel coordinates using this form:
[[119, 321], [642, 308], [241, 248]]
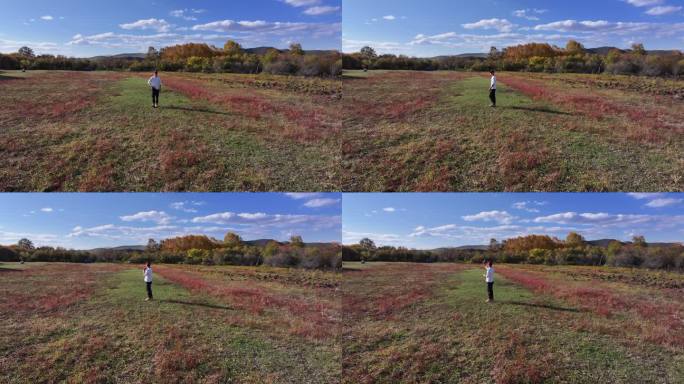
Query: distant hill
[[253, 243], [120, 248], [120, 56], [255, 51], [596, 243], [597, 50]]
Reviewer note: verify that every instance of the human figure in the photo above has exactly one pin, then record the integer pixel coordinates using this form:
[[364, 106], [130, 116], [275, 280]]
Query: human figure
[[155, 83], [492, 89], [147, 273], [489, 279]]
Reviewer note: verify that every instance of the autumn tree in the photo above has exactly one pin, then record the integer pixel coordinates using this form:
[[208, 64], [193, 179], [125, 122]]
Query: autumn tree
[[574, 47], [232, 48], [186, 243], [152, 54], [232, 239], [25, 245], [574, 239]]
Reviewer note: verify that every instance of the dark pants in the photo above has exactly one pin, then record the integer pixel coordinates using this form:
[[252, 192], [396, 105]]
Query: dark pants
[[149, 290], [492, 96], [490, 291], [155, 96]]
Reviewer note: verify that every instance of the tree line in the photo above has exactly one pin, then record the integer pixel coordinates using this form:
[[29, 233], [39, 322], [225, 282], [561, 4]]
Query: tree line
[[533, 249], [190, 57], [533, 57], [191, 249]]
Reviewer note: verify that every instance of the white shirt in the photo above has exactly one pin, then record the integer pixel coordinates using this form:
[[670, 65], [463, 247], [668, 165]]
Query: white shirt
[[489, 276], [493, 83], [148, 275], [154, 82]]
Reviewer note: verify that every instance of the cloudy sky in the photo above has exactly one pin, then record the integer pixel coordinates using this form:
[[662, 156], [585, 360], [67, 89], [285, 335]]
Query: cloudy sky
[[85, 221], [85, 28], [427, 221], [439, 27]]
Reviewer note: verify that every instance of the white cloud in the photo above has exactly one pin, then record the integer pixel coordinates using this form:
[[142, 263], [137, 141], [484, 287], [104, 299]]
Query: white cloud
[[664, 202], [381, 47], [302, 195], [389, 209], [389, 17], [318, 203], [46, 210], [644, 3], [273, 28], [269, 220], [159, 217], [351, 237], [160, 25], [501, 217], [643, 196], [529, 206], [47, 18], [301, 3], [663, 10], [529, 14], [501, 25], [321, 10], [183, 206], [186, 14]]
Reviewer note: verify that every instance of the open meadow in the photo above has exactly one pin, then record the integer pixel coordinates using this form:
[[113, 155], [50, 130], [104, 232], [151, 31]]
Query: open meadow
[[97, 131], [88, 323], [429, 323], [435, 131]]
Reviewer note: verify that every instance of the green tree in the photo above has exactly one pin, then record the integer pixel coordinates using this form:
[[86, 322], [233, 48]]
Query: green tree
[[296, 241], [638, 49], [26, 52], [152, 246], [296, 49], [639, 241], [25, 245]]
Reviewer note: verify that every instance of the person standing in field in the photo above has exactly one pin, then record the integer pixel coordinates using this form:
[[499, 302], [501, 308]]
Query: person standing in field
[[155, 83], [147, 273], [492, 89], [489, 278]]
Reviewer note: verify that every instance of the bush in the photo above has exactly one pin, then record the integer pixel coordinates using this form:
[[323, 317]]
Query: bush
[[8, 254]]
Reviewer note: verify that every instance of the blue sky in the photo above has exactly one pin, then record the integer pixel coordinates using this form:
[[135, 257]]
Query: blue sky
[[439, 27], [427, 221], [85, 28], [85, 221]]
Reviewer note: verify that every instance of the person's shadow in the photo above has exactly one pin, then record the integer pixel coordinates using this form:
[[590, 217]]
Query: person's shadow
[[194, 109], [190, 303], [543, 306]]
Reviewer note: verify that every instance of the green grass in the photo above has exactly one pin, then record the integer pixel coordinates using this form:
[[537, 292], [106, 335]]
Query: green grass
[[458, 143]]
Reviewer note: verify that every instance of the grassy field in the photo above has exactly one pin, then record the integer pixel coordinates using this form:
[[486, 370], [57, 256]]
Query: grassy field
[[422, 323], [434, 131], [374, 323], [80, 131], [78, 323]]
